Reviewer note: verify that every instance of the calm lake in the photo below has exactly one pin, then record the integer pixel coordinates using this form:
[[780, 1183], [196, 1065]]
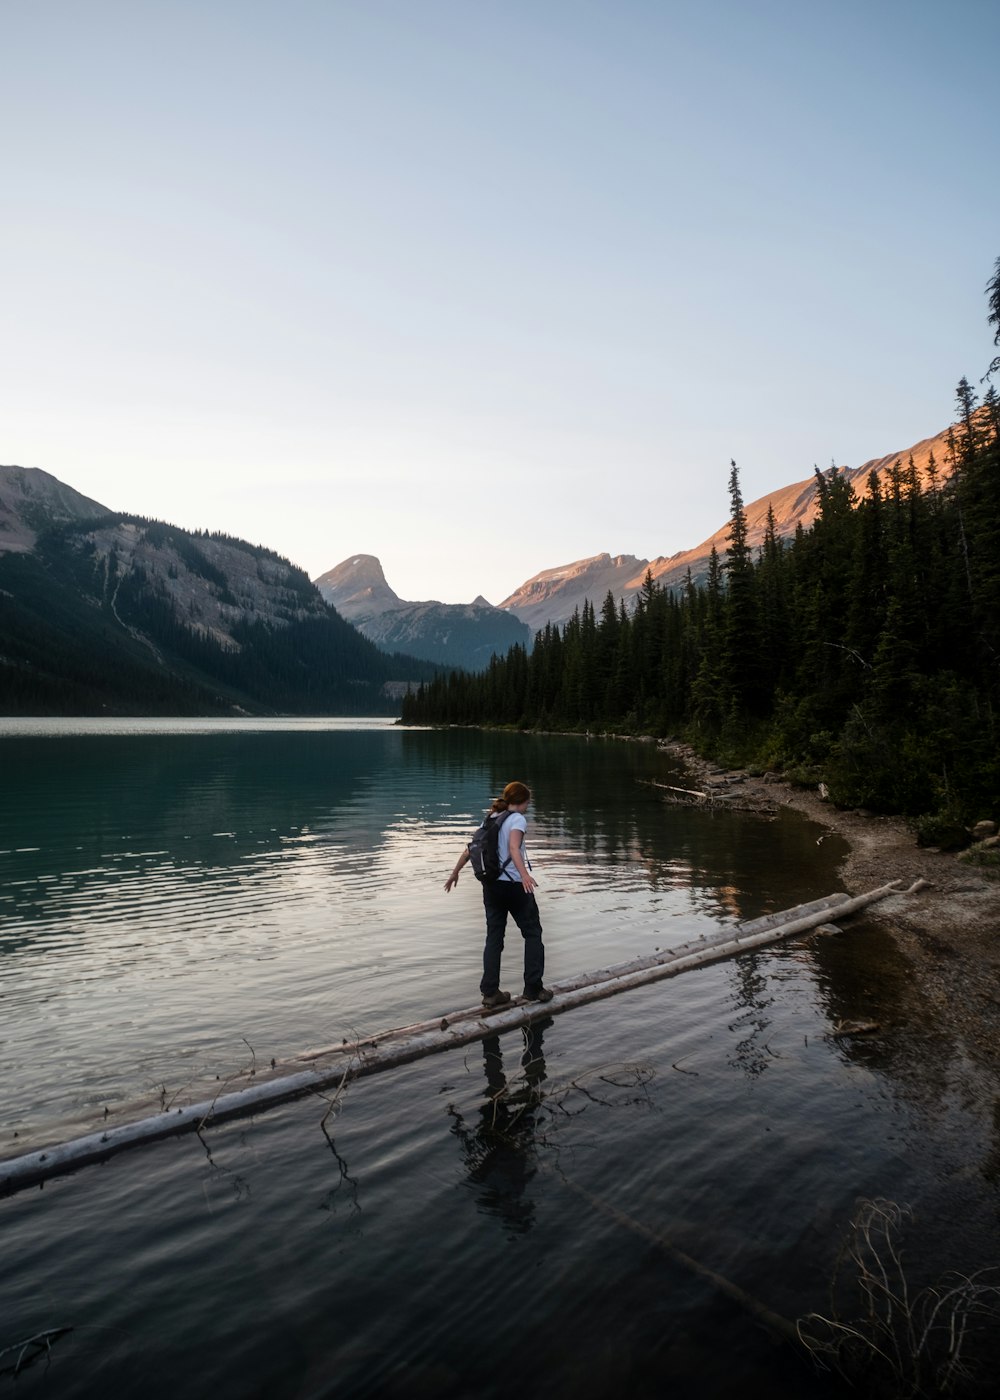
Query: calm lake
[[179, 899]]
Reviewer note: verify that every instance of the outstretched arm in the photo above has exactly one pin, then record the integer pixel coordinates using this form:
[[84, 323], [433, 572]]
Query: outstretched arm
[[453, 877]]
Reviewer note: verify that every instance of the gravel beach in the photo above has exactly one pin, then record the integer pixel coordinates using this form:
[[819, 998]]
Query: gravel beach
[[948, 934]]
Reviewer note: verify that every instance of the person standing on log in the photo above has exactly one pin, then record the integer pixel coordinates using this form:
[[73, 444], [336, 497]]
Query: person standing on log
[[512, 893]]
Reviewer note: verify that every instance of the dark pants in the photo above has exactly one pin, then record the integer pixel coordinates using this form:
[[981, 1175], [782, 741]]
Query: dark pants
[[501, 898]]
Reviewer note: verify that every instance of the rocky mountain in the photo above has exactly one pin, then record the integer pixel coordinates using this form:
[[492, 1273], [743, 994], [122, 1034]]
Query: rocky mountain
[[452, 634], [102, 612], [357, 588], [554, 594], [32, 501]]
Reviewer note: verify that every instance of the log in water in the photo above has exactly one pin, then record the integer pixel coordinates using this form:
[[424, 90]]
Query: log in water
[[336, 1065]]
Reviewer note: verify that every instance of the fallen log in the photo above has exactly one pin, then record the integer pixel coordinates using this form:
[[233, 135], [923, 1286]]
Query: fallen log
[[780, 1326], [846, 1028], [726, 935], [714, 798], [669, 787], [355, 1059]]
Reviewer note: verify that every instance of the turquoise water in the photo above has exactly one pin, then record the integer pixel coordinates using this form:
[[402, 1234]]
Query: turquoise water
[[177, 899]]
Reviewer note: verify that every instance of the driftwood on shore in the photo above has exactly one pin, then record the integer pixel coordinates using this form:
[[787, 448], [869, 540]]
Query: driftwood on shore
[[317, 1070], [713, 797]]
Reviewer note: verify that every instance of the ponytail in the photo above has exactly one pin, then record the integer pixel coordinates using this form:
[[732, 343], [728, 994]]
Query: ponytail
[[512, 796]]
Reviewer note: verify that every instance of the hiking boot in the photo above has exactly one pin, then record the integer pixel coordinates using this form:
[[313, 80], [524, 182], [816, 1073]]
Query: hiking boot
[[496, 999], [538, 993]]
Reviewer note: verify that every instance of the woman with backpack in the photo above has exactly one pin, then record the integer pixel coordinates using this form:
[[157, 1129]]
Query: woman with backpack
[[508, 888]]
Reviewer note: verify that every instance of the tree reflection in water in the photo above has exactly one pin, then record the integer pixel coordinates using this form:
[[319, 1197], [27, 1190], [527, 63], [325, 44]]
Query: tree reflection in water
[[751, 1054]]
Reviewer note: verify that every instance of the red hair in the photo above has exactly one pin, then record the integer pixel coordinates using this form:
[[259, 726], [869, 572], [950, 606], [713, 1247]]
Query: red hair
[[512, 796]]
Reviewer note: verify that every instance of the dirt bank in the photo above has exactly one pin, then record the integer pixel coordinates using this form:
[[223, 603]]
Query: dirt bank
[[949, 933]]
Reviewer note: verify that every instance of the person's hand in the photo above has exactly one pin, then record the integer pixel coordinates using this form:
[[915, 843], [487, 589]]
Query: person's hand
[[451, 880], [530, 883]]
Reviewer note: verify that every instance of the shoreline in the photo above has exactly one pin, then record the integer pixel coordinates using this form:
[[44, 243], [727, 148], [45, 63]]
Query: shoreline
[[948, 934]]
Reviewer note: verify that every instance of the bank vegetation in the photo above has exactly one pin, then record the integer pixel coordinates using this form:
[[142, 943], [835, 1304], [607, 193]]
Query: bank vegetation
[[863, 653]]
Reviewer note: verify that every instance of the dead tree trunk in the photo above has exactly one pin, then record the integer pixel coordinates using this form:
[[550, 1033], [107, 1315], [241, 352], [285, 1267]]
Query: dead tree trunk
[[337, 1064]]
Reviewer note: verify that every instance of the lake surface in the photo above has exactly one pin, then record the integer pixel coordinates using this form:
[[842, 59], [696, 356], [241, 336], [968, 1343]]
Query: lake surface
[[178, 899]]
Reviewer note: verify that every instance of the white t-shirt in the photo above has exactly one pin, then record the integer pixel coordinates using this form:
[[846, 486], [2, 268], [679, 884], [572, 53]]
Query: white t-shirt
[[515, 822]]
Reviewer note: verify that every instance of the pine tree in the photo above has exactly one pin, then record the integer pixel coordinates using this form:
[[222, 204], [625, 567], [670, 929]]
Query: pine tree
[[993, 316], [774, 608], [709, 701], [977, 495], [741, 650]]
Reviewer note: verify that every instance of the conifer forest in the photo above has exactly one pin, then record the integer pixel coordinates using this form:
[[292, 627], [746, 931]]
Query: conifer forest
[[863, 652]]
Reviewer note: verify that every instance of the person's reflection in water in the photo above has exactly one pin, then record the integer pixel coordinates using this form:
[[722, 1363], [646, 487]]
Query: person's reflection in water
[[499, 1150]]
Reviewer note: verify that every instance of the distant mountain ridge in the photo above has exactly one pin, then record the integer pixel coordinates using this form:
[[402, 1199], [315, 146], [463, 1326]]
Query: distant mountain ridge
[[104, 612], [554, 594], [454, 634]]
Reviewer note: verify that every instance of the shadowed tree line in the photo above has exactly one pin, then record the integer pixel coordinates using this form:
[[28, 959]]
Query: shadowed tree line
[[864, 652]]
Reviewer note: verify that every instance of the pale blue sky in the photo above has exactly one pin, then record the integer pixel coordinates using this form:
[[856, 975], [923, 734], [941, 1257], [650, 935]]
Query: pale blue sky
[[479, 287]]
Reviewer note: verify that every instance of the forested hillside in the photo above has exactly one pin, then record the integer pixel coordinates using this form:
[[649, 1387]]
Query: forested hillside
[[123, 615], [864, 652]]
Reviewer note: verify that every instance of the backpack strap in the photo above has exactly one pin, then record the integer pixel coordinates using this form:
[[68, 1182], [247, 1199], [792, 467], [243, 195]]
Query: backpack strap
[[503, 817]]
